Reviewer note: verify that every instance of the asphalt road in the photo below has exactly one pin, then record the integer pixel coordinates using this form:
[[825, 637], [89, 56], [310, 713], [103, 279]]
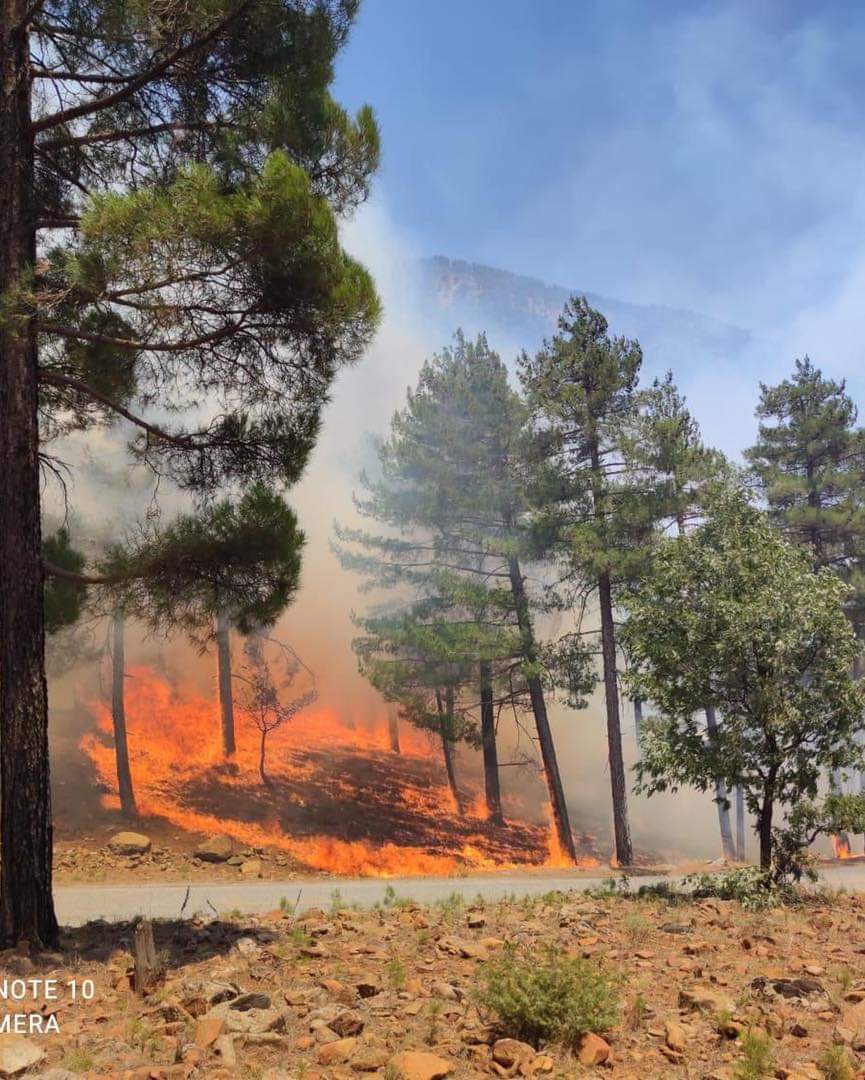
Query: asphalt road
[[77, 904]]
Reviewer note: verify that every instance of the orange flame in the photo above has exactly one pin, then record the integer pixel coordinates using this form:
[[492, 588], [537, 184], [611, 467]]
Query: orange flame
[[321, 767], [842, 847]]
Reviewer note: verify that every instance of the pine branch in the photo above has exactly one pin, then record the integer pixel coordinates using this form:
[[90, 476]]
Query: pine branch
[[152, 73]]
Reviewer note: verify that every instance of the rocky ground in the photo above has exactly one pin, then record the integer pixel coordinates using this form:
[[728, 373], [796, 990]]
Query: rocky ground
[[166, 855], [343, 994]]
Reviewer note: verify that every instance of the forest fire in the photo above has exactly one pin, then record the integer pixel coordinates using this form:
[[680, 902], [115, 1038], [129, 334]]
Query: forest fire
[[841, 847], [339, 800]]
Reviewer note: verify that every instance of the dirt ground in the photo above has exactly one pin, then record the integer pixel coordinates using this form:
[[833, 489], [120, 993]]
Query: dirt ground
[[390, 992]]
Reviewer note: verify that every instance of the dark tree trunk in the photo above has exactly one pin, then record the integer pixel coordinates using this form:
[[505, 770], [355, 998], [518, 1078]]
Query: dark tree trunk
[[624, 850], [539, 708], [638, 719], [393, 730], [118, 716], [727, 845], [223, 667], [26, 837], [740, 823], [492, 788], [765, 828], [446, 714], [262, 750]]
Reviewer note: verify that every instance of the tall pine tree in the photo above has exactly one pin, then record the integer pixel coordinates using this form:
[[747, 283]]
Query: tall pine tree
[[454, 479], [173, 176]]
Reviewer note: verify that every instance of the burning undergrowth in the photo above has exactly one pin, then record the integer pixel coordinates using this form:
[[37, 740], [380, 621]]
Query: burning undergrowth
[[339, 799]]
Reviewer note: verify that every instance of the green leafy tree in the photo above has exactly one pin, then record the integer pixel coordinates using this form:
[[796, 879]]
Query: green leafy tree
[[173, 178], [735, 617], [454, 488]]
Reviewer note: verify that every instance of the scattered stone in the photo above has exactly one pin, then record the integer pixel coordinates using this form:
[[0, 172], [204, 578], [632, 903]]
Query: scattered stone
[[369, 1058], [215, 849], [593, 1050], [224, 1046], [252, 868], [347, 1023], [129, 843], [207, 1031], [476, 920], [251, 1001], [705, 999], [367, 985], [18, 1054], [511, 1052], [674, 1036], [418, 1065], [336, 1053]]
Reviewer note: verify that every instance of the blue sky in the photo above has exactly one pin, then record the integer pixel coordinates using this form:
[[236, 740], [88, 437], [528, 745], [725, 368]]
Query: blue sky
[[703, 155]]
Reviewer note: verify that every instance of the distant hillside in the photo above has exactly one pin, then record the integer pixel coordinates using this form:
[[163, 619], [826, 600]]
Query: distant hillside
[[518, 312]]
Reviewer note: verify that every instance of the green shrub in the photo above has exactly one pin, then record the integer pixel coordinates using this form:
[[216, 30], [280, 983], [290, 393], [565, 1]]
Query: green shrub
[[757, 1059], [541, 997], [836, 1064]]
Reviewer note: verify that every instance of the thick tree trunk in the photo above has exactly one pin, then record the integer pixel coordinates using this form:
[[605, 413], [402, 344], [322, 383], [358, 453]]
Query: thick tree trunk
[[765, 828], [26, 837], [393, 730], [446, 715], [492, 788], [118, 716], [740, 823], [727, 846], [621, 828], [539, 708], [223, 668]]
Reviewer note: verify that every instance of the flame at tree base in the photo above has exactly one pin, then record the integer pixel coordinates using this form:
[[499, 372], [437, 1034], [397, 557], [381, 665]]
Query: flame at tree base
[[339, 800], [841, 847]]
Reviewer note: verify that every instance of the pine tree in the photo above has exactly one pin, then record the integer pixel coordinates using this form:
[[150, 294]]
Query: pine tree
[[809, 462], [582, 389], [409, 657], [125, 787], [454, 488], [173, 175]]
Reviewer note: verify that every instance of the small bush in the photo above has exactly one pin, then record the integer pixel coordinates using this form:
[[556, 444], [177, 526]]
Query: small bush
[[757, 1059], [546, 997], [836, 1064], [753, 888]]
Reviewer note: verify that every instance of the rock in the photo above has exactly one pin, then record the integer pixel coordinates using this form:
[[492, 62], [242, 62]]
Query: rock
[[476, 920], [252, 868], [18, 1054], [446, 991], [512, 1052], [705, 999], [215, 849], [207, 1031], [543, 1063], [224, 1046], [347, 1023], [418, 1065], [129, 843], [593, 1050], [249, 1022], [369, 1059], [853, 1017], [59, 1074], [367, 985], [250, 1001], [336, 1053], [674, 1036], [677, 928]]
